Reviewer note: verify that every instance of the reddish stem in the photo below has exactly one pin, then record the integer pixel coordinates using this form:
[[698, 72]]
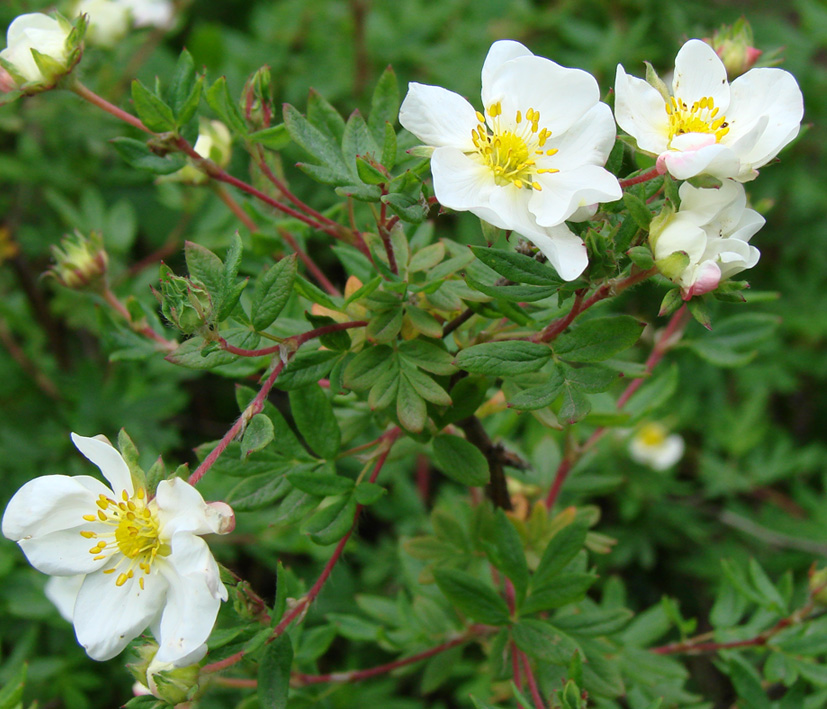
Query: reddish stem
[[665, 342], [296, 340], [145, 330], [254, 408], [358, 675], [515, 669], [102, 103], [642, 177], [532, 682], [235, 208]]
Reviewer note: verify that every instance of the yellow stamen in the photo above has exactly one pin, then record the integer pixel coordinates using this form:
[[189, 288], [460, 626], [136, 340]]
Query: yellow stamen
[[701, 117]]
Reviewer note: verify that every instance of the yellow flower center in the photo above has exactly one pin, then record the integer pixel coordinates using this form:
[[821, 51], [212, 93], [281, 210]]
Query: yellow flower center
[[512, 154], [701, 117], [135, 534], [652, 435]]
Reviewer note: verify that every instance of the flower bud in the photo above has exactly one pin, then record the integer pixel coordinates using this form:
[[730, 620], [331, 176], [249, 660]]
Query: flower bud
[[108, 21], [257, 100], [80, 262], [734, 46], [186, 303], [41, 49], [818, 586], [172, 682]]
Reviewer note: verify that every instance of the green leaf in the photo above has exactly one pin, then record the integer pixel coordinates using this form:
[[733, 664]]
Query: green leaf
[[501, 358], [313, 414], [322, 114], [321, 484], [305, 368], [258, 434], [273, 138], [203, 265], [384, 105], [642, 257], [598, 339], [543, 641], [185, 90], [517, 267], [152, 111], [591, 380], [366, 367], [515, 294], [257, 492], [428, 356], [653, 394], [368, 493], [560, 591], [769, 593], [230, 291], [331, 523], [11, 695], [540, 396], [426, 387], [575, 406], [473, 597], [274, 673], [732, 342], [137, 154], [562, 548], [747, 684], [638, 210], [410, 407], [412, 209], [273, 289], [595, 622], [505, 551], [219, 100], [321, 146], [460, 460], [385, 325]]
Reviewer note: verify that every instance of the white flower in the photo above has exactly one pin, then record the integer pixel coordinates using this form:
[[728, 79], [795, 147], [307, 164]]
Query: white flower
[[705, 125], [652, 445], [37, 50], [150, 13], [713, 228], [108, 21], [532, 160], [122, 561]]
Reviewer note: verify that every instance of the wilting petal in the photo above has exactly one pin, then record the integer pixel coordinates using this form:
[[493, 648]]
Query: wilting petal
[[438, 117], [108, 616], [110, 462]]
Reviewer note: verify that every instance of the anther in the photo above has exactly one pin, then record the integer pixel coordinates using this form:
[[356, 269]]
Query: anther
[[121, 580], [90, 518], [88, 535]]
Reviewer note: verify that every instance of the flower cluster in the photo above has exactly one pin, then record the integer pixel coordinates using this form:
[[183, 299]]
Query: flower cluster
[[533, 159], [121, 560]]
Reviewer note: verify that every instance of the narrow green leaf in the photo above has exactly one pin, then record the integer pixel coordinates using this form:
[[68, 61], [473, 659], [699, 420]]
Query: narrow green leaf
[[505, 550], [321, 484], [517, 267], [385, 326], [638, 210], [384, 104], [274, 673], [307, 367], [460, 460], [426, 387], [137, 154], [257, 492], [322, 114], [368, 493], [410, 407], [747, 683], [219, 100], [316, 143], [540, 396], [562, 548], [273, 138], [331, 523], [473, 597], [204, 266], [595, 622], [543, 641], [428, 356], [367, 366]]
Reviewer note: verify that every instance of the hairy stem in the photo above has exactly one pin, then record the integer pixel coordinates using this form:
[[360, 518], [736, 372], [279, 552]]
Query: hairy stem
[[642, 177], [145, 330]]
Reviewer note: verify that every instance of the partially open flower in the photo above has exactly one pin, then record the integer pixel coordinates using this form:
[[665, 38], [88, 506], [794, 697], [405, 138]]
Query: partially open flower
[[533, 159], [704, 125], [214, 143], [40, 50], [80, 261], [122, 561], [652, 445], [712, 228]]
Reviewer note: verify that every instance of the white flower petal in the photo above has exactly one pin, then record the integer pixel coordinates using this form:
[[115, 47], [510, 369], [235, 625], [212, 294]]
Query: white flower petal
[[502, 51], [681, 234], [438, 117], [765, 92], [63, 553], [641, 112], [182, 509], [560, 94], [700, 73], [460, 182], [701, 279], [566, 192], [110, 462], [195, 594], [107, 617], [51, 503], [63, 592], [564, 250], [715, 159], [588, 142]]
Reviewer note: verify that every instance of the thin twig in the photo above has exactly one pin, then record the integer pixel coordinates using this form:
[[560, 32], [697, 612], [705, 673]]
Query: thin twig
[[145, 330]]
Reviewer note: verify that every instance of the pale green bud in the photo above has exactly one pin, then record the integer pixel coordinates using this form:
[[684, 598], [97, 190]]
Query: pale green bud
[[80, 261]]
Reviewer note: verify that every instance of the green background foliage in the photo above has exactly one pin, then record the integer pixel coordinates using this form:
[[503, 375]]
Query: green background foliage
[[747, 397]]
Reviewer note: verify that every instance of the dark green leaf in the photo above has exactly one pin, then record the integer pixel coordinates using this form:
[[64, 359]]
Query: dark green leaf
[[410, 406], [257, 492], [274, 673], [460, 460], [501, 358], [540, 396], [320, 484], [595, 622], [517, 267], [321, 146], [137, 154], [598, 339], [203, 265], [313, 414], [273, 138], [272, 291], [747, 684], [562, 548], [428, 356], [384, 104], [543, 641], [258, 434], [305, 368], [505, 551], [366, 367], [368, 493], [152, 111], [638, 210], [331, 523], [219, 99], [473, 597]]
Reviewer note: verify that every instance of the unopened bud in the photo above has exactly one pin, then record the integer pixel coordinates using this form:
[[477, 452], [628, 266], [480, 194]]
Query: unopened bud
[[818, 586], [80, 262], [172, 682], [186, 303], [734, 46], [257, 100], [221, 517]]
